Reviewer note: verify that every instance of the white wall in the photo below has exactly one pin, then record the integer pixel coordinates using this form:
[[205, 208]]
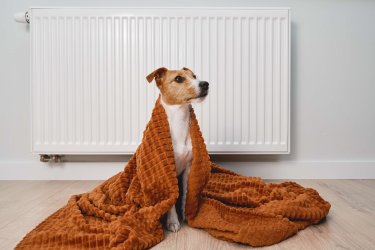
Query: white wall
[[333, 94]]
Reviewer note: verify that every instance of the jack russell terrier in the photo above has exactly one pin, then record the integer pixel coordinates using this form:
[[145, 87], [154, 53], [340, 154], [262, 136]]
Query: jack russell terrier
[[179, 88]]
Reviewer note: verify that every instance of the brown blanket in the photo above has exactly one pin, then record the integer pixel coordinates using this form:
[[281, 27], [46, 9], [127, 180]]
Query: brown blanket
[[125, 211]]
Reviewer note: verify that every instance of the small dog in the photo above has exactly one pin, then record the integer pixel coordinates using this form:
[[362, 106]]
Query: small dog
[[179, 88]]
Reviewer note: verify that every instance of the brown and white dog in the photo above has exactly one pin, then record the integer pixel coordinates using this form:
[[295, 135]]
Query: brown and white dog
[[179, 88]]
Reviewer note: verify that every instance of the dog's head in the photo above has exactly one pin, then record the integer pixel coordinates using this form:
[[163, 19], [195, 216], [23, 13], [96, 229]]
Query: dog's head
[[179, 86]]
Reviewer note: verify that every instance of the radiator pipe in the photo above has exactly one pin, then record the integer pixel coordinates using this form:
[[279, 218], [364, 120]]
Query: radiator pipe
[[50, 158]]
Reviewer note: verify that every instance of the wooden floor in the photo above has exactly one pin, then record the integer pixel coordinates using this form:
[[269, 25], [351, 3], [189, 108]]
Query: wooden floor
[[350, 224]]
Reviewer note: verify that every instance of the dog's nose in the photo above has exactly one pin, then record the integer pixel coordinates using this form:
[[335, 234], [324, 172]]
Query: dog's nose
[[203, 85]]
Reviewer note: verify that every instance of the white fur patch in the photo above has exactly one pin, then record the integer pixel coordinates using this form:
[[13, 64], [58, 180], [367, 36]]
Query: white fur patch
[[179, 121], [197, 100], [195, 83]]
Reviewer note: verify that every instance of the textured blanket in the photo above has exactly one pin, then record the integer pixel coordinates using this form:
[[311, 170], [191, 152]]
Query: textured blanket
[[125, 211]]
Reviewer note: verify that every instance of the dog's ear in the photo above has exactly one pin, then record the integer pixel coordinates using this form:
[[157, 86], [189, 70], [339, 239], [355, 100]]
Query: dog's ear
[[184, 68], [156, 74]]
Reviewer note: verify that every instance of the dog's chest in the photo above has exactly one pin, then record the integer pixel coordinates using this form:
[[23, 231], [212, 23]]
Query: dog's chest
[[179, 123]]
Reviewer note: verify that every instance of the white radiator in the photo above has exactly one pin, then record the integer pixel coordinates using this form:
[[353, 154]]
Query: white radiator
[[88, 68]]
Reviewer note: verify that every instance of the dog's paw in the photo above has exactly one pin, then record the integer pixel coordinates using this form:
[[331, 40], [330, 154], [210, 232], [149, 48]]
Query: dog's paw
[[173, 227], [173, 224]]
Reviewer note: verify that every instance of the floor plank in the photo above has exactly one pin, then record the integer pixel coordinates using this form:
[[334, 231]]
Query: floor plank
[[350, 224]]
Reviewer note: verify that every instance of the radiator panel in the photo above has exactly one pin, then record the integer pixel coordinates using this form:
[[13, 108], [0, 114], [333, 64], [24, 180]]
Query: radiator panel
[[88, 68]]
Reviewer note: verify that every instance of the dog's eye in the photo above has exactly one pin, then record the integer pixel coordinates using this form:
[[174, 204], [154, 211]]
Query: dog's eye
[[194, 76], [178, 79]]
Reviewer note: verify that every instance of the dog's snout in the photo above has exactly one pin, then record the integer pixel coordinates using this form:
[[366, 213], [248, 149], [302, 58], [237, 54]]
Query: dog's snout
[[203, 85]]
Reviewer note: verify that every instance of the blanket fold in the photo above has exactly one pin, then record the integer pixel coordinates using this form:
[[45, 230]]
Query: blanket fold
[[124, 212]]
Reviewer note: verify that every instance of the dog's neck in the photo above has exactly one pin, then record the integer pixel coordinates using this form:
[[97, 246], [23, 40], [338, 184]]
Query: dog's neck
[[179, 121]]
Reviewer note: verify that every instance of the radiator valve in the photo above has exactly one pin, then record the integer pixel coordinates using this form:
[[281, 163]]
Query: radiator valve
[[22, 17]]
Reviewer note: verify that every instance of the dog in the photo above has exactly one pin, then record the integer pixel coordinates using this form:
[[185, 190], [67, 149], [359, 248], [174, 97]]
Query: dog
[[178, 89]]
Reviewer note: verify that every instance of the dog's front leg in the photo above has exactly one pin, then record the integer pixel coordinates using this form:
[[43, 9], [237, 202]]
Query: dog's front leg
[[185, 176], [173, 224]]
